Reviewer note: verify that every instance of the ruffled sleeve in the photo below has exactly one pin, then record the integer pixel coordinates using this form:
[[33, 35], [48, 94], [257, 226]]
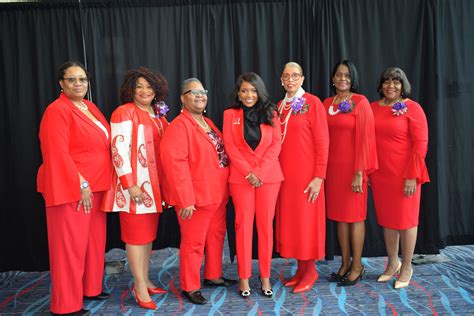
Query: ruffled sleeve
[[365, 145], [418, 128]]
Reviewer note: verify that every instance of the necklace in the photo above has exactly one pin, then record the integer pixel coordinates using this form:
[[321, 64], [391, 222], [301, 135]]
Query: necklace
[[386, 103], [82, 106], [160, 127], [205, 126], [331, 110], [285, 105]]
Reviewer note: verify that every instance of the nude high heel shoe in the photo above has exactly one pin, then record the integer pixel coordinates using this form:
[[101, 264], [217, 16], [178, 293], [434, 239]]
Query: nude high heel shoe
[[401, 284], [388, 277]]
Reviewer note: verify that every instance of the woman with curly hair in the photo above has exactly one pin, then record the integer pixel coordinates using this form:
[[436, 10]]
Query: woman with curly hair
[[139, 184]]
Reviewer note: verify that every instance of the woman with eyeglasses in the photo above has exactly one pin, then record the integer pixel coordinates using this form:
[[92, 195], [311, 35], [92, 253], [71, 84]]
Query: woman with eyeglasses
[[197, 168], [352, 157], [401, 133], [139, 184], [301, 213], [252, 138], [75, 173]]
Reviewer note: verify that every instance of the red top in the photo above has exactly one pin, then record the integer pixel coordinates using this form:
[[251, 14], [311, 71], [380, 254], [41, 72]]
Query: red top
[[301, 225], [71, 143], [402, 143], [352, 148], [192, 165], [263, 162]]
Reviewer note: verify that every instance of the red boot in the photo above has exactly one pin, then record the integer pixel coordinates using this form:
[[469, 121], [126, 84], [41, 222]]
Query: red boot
[[309, 277], [296, 278]]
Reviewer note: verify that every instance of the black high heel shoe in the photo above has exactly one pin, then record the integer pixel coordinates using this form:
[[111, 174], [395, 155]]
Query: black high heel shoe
[[336, 277], [245, 293], [266, 292], [346, 282]]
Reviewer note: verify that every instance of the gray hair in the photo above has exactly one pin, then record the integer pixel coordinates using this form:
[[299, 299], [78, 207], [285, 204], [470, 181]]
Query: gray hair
[[185, 84], [293, 64]]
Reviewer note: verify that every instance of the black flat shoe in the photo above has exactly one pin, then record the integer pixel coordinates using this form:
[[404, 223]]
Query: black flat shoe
[[100, 297], [195, 297], [245, 294], [225, 282], [346, 282], [79, 312], [266, 292]]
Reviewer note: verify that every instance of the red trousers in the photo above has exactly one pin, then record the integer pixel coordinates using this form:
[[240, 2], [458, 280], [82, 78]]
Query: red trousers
[[250, 203], [204, 230], [76, 253]]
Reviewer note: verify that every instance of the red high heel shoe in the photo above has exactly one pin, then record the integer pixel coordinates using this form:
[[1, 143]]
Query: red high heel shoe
[[156, 290], [305, 286], [297, 277], [148, 305]]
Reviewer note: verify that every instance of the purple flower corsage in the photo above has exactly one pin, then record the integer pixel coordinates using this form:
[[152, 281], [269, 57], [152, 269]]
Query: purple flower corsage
[[298, 105], [161, 109], [399, 108], [346, 106]]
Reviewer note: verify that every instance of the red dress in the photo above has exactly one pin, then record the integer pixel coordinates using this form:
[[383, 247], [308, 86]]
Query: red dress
[[301, 225], [351, 148], [402, 143]]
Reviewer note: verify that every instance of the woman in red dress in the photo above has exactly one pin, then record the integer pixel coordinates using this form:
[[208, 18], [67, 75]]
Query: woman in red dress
[[139, 183], [352, 156], [252, 137], [402, 142], [301, 213], [197, 168], [75, 173]]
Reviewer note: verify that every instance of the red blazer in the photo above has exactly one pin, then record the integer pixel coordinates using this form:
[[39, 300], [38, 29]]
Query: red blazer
[[71, 144], [191, 164], [263, 161]]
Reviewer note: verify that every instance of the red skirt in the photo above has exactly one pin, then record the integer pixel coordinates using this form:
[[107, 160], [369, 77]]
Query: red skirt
[[138, 229]]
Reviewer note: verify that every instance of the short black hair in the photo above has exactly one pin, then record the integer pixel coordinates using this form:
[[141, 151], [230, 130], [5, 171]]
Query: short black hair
[[354, 75], [394, 73], [68, 64]]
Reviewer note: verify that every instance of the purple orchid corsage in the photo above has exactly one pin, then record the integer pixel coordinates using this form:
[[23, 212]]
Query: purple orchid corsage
[[161, 109], [345, 106], [399, 108], [297, 104]]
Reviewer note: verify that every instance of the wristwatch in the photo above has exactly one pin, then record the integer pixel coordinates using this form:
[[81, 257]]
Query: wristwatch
[[84, 185]]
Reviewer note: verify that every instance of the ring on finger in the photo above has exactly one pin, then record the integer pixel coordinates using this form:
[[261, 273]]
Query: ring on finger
[[136, 199]]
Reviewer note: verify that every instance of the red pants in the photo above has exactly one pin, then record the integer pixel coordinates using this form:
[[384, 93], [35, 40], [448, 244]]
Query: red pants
[[250, 203], [76, 253], [204, 230]]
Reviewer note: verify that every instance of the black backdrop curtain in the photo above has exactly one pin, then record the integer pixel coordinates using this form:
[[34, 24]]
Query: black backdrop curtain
[[216, 41]]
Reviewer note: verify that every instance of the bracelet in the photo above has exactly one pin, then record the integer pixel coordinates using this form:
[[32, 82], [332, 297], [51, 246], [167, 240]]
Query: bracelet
[[248, 176]]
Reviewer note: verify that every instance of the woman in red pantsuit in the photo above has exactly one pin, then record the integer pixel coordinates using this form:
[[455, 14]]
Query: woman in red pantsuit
[[401, 133], [352, 156], [76, 171], [138, 182], [301, 213], [197, 169], [252, 138]]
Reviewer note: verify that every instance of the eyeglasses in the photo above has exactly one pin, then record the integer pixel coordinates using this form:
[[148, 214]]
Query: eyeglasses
[[82, 80], [294, 76], [196, 92]]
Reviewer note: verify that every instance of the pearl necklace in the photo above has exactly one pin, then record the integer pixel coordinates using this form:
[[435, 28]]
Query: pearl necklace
[[82, 106], [205, 126], [285, 106], [331, 110]]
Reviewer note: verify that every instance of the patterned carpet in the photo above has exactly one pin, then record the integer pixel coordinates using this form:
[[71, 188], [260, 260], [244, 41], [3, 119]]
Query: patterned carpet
[[440, 288]]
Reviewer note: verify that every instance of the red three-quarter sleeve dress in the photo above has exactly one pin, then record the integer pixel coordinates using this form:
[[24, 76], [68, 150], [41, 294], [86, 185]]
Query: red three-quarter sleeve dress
[[402, 143]]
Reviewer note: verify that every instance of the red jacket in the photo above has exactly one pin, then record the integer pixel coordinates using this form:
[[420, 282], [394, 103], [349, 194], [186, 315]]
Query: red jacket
[[263, 162], [191, 164], [135, 161], [71, 144]]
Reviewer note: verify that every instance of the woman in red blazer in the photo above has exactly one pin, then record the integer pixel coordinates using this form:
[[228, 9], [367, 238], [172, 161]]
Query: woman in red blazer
[[75, 173], [197, 169], [252, 138]]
